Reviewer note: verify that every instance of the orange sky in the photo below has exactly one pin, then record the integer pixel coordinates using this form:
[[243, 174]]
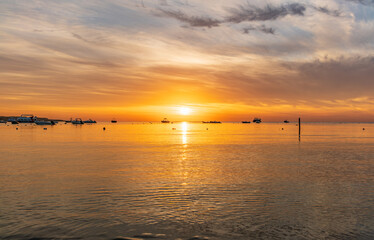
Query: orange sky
[[228, 61]]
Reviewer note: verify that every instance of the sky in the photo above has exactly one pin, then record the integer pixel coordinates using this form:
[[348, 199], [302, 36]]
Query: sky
[[188, 60]]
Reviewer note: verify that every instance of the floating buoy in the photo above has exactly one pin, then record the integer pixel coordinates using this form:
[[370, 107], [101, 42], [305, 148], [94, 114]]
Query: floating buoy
[[206, 128], [363, 129], [282, 129], [103, 128], [16, 128], [45, 128], [174, 128]]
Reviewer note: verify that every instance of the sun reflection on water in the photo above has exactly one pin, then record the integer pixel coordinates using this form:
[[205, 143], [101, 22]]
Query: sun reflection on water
[[184, 133]]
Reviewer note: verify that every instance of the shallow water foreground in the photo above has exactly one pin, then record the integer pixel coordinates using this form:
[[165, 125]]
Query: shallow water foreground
[[219, 181]]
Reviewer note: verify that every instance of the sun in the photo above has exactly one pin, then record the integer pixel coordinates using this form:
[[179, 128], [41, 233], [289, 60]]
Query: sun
[[184, 110]]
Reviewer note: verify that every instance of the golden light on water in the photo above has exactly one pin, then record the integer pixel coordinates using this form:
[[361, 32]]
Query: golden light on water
[[184, 132]]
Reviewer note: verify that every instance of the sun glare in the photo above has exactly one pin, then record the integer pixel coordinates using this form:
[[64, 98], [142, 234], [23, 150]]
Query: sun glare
[[184, 110]]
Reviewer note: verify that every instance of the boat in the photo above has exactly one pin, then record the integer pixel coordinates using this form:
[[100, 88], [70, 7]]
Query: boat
[[286, 121], [77, 121], [257, 120], [26, 118], [165, 120], [89, 121], [3, 121], [114, 121], [246, 121], [69, 121], [211, 122], [45, 123], [13, 120]]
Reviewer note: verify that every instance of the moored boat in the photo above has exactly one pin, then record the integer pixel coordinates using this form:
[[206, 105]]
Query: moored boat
[[77, 121], [257, 120], [89, 121], [13, 120], [286, 121], [113, 121], [165, 120], [26, 118], [246, 121], [45, 123], [211, 122]]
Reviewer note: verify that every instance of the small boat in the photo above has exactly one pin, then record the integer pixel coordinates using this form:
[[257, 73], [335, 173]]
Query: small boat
[[165, 120], [69, 121], [89, 121], [246, 121], [45, 123], [286, 121], [77, 121], [13, 120], [114, 121], [26, 118], [211, 122], [3, 121], [257, 120]]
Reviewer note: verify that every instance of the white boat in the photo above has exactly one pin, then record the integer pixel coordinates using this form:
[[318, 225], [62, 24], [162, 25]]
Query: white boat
[[45, 123], [77, 121], [26, 118], [13, 120]]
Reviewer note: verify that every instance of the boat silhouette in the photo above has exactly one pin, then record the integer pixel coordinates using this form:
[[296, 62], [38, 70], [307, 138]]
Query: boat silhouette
[[165, 120], [257, 120]]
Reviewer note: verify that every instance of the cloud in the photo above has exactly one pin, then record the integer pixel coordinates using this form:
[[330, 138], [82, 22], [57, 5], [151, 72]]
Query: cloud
[[262, 28], [363, 2], [193, 21], [325, 10], [246, 13], [251, 13]]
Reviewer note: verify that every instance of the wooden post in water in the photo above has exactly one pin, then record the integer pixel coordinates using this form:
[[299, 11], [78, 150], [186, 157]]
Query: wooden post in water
[[299, 129]]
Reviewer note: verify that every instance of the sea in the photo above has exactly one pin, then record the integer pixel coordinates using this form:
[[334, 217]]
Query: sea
[[187, 181]]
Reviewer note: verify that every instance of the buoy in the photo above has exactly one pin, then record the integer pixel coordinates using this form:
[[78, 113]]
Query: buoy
[[206, 128], [45, 128], [363, 129], [16, 128], [173, 128], [103, 128], [282, 129]]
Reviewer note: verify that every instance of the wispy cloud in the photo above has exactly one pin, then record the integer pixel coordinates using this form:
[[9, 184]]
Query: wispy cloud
[[364, 2], [325, 10], [262, 28], [194, 21], [245, 13], [252, 13]]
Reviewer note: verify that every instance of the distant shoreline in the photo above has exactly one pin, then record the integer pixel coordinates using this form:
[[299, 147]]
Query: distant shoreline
[[5, 118]]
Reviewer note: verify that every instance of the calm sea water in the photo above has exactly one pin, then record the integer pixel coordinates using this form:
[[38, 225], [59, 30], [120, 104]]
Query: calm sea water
[[222, 181]]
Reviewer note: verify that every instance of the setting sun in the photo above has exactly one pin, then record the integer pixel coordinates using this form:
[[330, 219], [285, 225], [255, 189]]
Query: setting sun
[[184, 110]]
